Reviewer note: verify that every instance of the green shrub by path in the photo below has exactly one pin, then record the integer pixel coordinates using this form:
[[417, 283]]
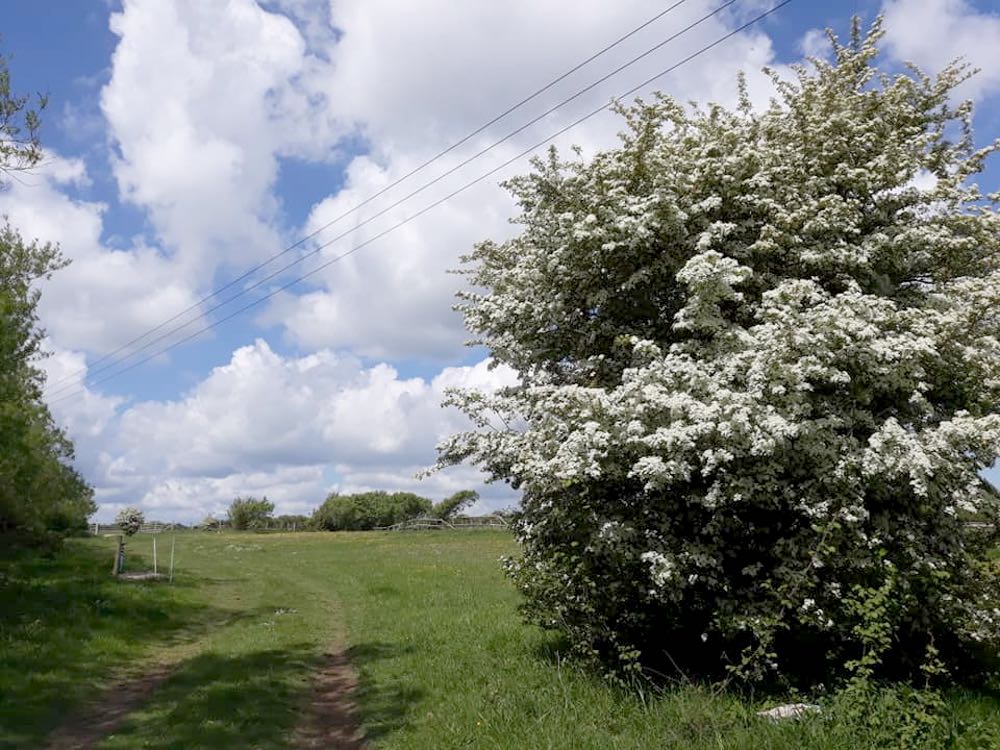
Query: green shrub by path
[[42, 497], [431, 626]]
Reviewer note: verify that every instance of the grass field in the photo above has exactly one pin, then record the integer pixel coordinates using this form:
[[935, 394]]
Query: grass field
[[429, 623]]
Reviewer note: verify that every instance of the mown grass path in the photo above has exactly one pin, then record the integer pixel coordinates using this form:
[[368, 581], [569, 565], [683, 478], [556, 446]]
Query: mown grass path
[[426, 619]]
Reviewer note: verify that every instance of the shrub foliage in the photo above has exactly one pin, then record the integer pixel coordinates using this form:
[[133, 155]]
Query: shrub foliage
[[130, 520], [250, 513], [759, 354], [40, 492], [453, 505], [368, 510]]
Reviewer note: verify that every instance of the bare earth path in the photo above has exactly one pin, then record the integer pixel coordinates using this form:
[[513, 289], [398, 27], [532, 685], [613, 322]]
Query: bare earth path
[[330, 718], [97, 720]]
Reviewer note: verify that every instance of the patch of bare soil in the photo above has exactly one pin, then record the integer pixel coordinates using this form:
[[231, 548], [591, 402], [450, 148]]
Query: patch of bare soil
[[330, 718], [147, 576], [101, 717]]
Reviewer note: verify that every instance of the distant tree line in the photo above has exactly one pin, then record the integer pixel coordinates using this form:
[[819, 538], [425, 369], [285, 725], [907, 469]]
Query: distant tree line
[[355, 512], [372, 510], [368, 510]]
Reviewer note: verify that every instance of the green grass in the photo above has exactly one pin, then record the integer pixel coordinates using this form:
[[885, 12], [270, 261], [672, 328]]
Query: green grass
[[431, 627], [65, 626]]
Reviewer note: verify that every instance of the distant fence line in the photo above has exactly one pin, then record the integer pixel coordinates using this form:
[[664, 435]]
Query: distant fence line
[[153, 527], [157, 527], [413, 524], [463, 522]]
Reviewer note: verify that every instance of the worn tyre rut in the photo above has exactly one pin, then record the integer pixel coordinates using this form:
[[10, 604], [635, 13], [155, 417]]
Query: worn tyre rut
[[330, 717], [100, 718]]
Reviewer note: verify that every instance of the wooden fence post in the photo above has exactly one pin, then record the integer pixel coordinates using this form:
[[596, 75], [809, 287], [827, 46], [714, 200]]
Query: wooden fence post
[[172, 542], [119, 565]]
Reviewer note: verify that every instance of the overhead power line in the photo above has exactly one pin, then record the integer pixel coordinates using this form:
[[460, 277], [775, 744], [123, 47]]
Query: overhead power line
[[356, 207], [246, 290], [463, 188]]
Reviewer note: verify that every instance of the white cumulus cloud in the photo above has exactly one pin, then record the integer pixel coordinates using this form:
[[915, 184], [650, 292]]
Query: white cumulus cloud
[[933, 33], [393, 298], [203, 100], [107, 295], [204, 103], [290, 427]]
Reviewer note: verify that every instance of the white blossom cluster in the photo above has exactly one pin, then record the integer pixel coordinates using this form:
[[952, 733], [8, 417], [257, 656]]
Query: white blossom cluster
[[130, 520], [757, 361]]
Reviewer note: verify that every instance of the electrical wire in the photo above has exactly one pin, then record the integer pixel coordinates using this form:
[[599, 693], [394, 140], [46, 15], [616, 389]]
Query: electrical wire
[[409, 195], [430, 206], [249, 272]]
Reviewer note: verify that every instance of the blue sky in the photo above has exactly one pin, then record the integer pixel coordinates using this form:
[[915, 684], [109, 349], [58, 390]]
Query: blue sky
[[190, 140]]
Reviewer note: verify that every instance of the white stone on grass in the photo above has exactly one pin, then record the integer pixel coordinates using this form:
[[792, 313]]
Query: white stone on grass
[[789, 711]]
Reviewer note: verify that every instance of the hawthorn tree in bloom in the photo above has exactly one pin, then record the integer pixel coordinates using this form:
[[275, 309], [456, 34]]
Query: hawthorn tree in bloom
[[759, 355], [130, 520]]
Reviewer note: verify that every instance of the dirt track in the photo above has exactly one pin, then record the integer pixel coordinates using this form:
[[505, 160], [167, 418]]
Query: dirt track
[[329, 719], [100, 718]]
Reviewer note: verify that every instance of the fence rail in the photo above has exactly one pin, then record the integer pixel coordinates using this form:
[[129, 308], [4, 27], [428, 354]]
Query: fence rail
[[463, 522], [113, 529], [413, 524]]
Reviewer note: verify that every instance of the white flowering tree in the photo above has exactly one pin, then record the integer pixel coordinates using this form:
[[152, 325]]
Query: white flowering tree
[[759, 355], [130, 520]]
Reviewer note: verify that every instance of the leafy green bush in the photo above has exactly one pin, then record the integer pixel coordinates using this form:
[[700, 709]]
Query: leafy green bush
[[455, 504], [759, 360], [368, 510], [250, 513], [40, 492]]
